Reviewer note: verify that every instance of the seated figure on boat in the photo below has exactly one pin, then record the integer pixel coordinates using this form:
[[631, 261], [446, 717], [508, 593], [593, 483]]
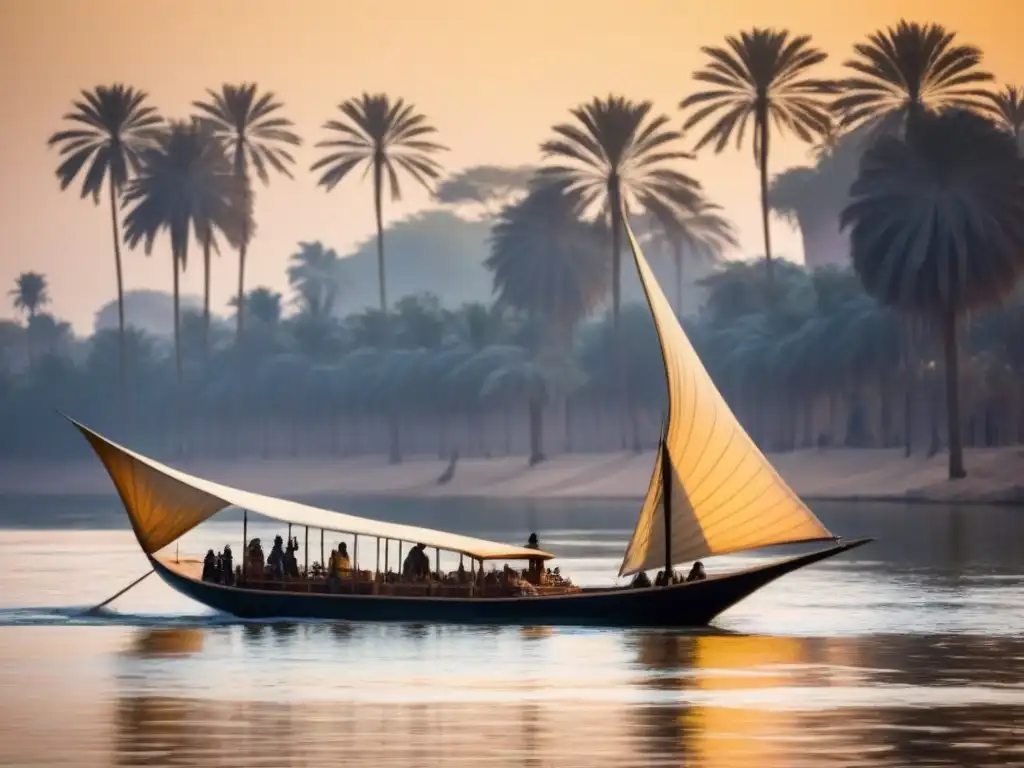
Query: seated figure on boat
[[276, 559], [697, 572], [341, 565], [227, 567], [210, 569], [640, 581], [535, 573], [417, 565], [256, 563], [291, 563]]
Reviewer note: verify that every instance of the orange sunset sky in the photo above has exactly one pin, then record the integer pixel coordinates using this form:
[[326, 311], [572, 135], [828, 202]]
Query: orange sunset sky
[[492, 76]]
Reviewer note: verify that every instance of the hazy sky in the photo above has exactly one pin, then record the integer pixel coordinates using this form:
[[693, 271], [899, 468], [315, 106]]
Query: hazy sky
[[492, 76]]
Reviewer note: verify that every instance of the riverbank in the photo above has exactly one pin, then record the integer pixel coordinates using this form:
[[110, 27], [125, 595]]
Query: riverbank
[[996, 476]]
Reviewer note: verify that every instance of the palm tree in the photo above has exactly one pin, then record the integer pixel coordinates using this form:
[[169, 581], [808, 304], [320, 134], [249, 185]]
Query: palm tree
[[254, 134], [30, 293], [760, 78], [937, 228], [262, 304], [1009, 109], [546, 261], [617, 155], [386, 137], [29, 296], [702, 233], [316, 275], [111, 126], [185, 183], [907, 70]]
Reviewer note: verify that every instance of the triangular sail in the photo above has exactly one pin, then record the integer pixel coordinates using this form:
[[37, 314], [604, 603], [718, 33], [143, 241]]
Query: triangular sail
[[725, 496]]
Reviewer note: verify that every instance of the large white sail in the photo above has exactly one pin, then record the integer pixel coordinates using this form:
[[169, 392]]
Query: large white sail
[[724, 495]]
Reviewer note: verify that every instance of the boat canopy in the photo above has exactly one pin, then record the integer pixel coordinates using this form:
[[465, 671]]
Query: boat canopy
[[724, 495], [163, 504]]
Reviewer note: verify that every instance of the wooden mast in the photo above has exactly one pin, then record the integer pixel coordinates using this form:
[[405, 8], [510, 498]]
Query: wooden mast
[[666, 499]]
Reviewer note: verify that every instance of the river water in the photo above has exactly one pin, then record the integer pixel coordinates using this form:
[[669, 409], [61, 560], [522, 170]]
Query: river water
[[909, 651]]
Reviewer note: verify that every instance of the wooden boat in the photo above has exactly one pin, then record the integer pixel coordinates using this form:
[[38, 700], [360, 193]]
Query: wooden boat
[[712, 492]]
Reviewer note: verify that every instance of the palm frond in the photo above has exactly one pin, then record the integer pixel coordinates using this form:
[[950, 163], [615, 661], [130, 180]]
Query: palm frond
[[113, 126], [376, 128], [908, 68]]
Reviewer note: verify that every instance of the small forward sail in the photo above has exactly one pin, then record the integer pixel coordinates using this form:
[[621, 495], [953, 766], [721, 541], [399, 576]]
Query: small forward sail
[[164, 503], [724, 496]]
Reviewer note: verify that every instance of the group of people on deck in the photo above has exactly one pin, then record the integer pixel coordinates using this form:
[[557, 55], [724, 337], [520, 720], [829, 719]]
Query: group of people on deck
[[280, 563], [219, 567], [665, 578]]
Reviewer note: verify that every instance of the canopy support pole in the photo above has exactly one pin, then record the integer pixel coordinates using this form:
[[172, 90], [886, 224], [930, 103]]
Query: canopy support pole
[[666, 498], [323, 562], [401, 565], [387, 551], [437, 562], [305, 567], [355, 554], [245, 545], [376, 563]]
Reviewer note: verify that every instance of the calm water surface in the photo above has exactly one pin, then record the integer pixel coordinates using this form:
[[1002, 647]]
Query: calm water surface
[[907, 652]]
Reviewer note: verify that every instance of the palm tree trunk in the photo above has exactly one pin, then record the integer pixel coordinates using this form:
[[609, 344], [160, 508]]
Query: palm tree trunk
[[536, 407], [28, 339], [950, 341], [207, 237], [120, 292], [177, 317], [677, 256], [240, 300], [378, 179], [763, 162], [394, 447], [625, 400]]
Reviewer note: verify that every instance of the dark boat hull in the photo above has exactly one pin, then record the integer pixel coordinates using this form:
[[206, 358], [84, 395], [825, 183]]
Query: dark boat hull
[[682, 605]]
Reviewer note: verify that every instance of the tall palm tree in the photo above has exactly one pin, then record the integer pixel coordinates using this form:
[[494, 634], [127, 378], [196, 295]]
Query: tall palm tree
[[906, 70], [616, 155], [1009, 109], [110, 127], [701, 233], [762, 77], [185, 183], [937, 228], [255, 135], [386, 136]]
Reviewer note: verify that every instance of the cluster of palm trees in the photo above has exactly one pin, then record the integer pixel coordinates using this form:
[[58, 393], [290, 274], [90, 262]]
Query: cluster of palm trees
[[936, 221], [816, 362]]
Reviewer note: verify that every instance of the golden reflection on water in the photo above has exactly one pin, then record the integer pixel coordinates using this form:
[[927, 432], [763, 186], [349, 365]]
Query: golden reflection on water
[[219, 696]]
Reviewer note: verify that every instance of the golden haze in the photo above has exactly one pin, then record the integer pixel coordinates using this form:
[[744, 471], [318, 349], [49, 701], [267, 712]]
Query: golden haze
[[491, 76]]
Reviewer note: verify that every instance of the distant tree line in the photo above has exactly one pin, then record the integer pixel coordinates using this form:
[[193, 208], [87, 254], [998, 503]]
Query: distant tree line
[[934, 215]]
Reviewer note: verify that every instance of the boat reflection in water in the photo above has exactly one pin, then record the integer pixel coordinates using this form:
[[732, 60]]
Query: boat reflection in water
[[683, 699], [156, 643]]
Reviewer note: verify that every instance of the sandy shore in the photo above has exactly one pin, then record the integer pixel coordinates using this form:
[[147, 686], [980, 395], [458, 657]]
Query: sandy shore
[[996, 475]]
